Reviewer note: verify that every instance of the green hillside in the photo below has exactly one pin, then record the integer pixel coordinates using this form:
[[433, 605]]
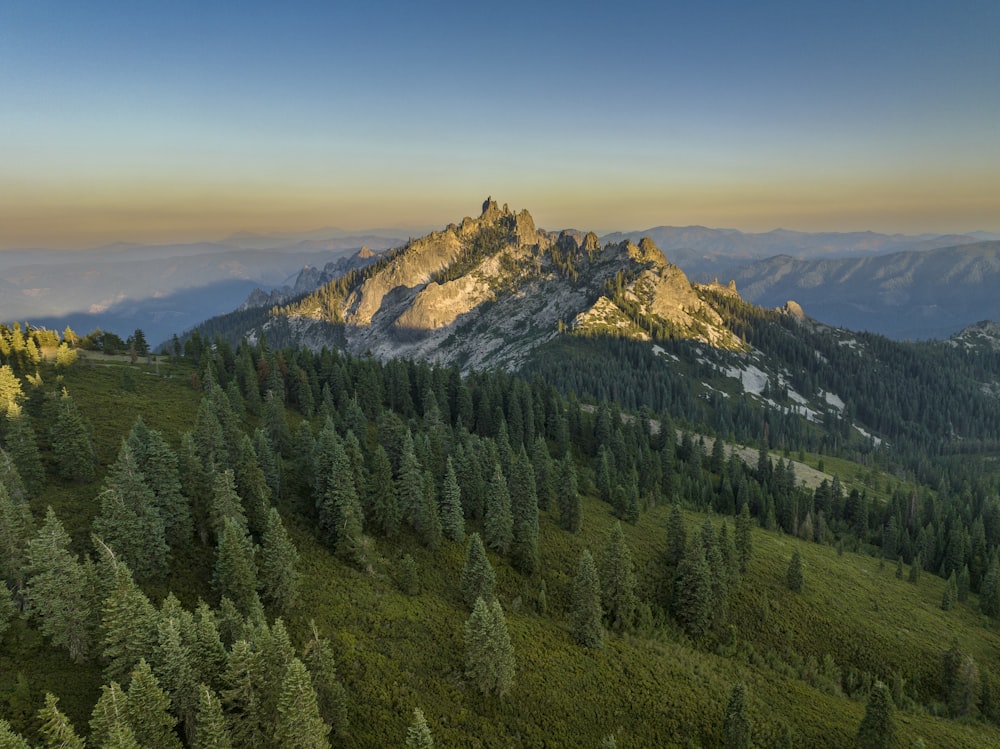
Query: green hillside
[[809, 660]]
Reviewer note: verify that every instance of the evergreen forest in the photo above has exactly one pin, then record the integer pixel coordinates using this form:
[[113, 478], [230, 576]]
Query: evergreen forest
[[236, 544]]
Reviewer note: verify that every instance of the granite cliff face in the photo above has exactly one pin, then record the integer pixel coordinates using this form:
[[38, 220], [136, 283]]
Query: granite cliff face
[[486, 291]]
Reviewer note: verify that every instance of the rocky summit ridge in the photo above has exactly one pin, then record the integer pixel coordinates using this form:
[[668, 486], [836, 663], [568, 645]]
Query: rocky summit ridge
[[488, 290]]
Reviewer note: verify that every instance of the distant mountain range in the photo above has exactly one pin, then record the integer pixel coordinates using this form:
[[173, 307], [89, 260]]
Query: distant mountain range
[[914, 295], [163, 289]]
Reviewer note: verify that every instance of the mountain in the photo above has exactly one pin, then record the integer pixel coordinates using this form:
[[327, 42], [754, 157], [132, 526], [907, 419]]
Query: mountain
[[915, 295], [486, 291], [704, 253]]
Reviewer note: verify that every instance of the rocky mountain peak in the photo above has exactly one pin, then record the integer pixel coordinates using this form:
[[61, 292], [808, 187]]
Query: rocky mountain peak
[[486, 291]]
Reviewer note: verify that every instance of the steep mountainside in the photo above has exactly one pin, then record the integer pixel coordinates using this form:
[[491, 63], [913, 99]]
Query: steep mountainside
[[928, 294], [488, 290]]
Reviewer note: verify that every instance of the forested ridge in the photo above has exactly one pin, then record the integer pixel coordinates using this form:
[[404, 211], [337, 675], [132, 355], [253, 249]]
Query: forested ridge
[[253, 546]]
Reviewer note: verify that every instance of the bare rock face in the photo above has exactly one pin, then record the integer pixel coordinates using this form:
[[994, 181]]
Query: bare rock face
[[486, 291], [793, 309]]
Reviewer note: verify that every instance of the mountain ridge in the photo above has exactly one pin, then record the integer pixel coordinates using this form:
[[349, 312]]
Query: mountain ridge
[[487, 290]]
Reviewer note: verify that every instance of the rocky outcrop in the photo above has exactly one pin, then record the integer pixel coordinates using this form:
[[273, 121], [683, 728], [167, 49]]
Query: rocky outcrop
[[486, 291]]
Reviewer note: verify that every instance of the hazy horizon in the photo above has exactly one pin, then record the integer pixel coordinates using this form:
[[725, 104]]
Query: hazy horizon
[[181, 122]]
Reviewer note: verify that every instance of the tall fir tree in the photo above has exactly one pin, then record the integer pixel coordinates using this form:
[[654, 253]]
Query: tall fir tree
[[524, 509], [585, 616], [452, 518], [498, 528], [242, 696], [618, 584], [15, 530], [744, 539], [211, 732], [692, 603], [129, 521], [299, 725], [736, 725], [676, 537], [56, 729], [489, 655], [59, 590], [22, 447], [148, 710], [382, 504], [795, 576], [128, 619], [331, 697], [109, 724], [478, 577], [418, 735], [72, 443], [279, 559], [428, 520], [878, 727], [236, 568], [159, 467], [570, 509]]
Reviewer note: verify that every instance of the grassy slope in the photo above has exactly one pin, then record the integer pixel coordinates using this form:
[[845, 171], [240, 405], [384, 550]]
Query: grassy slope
[[396, 652]]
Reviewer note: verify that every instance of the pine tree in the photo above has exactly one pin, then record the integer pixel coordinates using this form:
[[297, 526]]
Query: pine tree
[[109, 726], [8, 610], [175, 669], [212, 731], [128, 620], [242, 696], [452, 519], [478, 578], [963, 584], [56, 729], [428, 520], [279, 576], [899, 568], [878, 727], [489, 655], [10, 739], [914, 575], [950, 593], [498, 530], [989, 593], [22, 448], [692, 602], [129, 521], [148, 710], [570, 509], [71, 442], [340, 508], [235, 569], [409, 481], [383, 504], [225, 503], [736, 727], [744, 539], [618, 585], [15, 530], [58, 590], [524, 509], [159, 468], [585, 617], [418, 735], [676, 537], [330, 693], [795, 576], [208, 654], [299, 724]]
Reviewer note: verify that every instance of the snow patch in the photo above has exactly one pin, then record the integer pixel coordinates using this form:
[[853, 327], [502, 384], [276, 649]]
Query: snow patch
[[834, 400], [753, 378]]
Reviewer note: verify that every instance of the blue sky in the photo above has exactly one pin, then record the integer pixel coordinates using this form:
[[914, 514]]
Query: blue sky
[[184, 120]]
